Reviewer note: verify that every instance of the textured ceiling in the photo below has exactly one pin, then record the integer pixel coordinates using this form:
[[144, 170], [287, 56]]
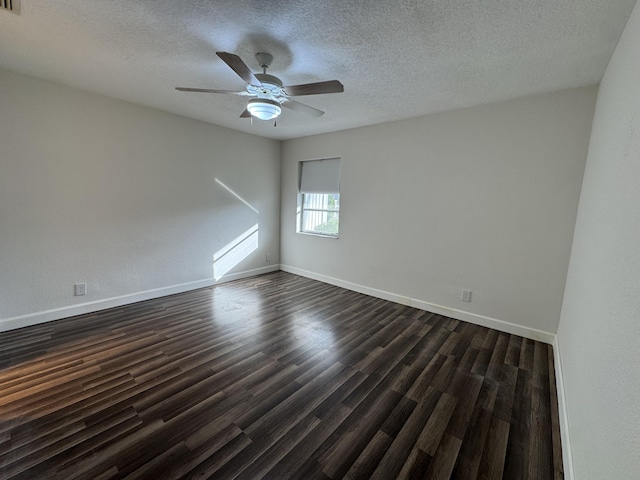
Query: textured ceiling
[[397, 59]]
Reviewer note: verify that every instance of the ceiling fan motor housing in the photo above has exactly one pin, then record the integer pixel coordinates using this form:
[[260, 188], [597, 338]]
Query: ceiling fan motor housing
[[271, 88], [267, 79]]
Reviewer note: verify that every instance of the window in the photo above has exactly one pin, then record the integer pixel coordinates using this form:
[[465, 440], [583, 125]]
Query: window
[[320, 213], [319, 197]]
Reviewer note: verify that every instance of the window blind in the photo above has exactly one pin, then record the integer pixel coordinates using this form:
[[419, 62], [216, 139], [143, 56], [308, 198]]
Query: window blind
[[320, 176]]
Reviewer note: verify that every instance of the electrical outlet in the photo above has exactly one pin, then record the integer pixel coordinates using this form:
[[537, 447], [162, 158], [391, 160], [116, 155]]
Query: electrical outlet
[[80, 289], [466, 296], [267, 257]]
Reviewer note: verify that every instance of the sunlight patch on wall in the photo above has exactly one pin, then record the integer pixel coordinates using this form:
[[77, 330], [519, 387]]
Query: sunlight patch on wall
[[234, 252], [236, 195]]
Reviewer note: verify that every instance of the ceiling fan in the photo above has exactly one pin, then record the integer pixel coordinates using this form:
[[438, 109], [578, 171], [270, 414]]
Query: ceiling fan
[[268, 91]]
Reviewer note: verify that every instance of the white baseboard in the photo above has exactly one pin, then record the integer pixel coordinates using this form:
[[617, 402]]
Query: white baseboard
[[35, 318], [247, 273], [474, 318], [567, 457]]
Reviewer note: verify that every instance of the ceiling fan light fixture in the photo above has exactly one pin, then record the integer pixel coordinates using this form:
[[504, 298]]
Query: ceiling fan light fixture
[[264, 108]]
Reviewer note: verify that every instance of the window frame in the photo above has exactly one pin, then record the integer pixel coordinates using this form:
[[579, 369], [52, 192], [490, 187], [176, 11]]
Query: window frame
[[318, 181], [302, 210]]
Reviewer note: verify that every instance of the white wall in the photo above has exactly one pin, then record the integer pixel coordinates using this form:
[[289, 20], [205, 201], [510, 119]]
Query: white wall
[[121, 197], [483, 199], [599, 331]]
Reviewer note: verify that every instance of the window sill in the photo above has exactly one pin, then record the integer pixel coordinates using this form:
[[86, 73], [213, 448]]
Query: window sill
[[311, 234]]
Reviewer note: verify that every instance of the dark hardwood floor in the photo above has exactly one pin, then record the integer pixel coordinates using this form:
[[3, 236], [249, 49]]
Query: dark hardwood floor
[[275, 376]]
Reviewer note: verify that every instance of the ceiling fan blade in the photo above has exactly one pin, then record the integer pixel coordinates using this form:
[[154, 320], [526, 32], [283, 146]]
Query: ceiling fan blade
[[238, 66], [301, 107], [245, 114], [208, 90], [330, 86]]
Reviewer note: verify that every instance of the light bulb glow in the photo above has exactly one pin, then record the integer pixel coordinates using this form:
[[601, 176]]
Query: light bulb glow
[[263, 108]]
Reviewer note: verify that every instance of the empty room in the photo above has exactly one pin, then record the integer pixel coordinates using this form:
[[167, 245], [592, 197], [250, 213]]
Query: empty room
[[320, 240]]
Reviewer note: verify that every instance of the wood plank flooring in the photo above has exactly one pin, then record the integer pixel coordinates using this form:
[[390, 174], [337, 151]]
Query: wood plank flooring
[[275, 376]]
